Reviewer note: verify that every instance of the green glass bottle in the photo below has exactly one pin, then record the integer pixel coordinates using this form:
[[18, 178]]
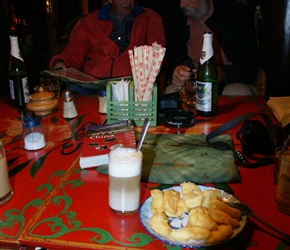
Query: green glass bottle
[[19, 89], [207, 80]]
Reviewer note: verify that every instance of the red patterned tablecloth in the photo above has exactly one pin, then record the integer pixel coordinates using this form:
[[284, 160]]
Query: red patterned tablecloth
[[57, 205]]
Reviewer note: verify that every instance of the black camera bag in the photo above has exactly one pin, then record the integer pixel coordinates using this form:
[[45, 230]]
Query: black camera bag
[[258, 139]]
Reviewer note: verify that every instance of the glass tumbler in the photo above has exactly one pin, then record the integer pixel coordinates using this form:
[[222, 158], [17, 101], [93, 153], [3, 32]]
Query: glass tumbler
[[6, 191], [124, 169]]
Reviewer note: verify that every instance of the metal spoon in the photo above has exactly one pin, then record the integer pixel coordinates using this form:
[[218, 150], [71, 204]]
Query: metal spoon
[[143, 133], [248, 211]]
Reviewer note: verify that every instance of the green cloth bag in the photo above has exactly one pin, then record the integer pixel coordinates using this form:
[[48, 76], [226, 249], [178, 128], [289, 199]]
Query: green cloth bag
[[177, 158]]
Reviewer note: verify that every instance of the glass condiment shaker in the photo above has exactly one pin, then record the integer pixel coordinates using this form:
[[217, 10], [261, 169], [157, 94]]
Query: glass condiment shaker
[[102, 101], [33, 136], [69, 108]]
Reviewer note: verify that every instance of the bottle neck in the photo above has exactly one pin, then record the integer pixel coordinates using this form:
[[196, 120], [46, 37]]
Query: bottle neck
[[207, 49], [15, 51]]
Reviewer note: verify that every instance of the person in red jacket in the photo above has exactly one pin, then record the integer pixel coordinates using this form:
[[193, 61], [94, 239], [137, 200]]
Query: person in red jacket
[[99, 42]]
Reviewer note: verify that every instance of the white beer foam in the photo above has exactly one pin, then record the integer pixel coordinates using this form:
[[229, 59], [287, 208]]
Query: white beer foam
[[125, 162]]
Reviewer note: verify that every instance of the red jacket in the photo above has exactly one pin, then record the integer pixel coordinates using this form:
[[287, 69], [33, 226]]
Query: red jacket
[[91, 50]]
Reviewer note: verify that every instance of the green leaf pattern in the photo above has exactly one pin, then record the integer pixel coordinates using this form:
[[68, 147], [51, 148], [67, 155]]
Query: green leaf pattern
[[65, 221]]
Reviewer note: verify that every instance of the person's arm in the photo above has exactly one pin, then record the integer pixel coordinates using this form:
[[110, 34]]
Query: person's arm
[[180, 74], [73, 55], [59, 64]]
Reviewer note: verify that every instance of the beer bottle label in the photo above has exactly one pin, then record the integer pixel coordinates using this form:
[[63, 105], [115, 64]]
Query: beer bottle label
[[11, 85], [25, 89], [15, 51], [203, 96]]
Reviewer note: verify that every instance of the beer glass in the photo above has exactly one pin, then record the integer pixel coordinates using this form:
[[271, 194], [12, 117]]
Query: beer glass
[[187, 93], [51, 84], [124, 166], [5, 187]]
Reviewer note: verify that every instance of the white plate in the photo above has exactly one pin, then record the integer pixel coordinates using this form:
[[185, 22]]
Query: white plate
[[145, 215]]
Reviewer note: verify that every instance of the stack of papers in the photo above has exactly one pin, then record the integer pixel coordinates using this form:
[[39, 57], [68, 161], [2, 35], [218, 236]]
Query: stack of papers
[[280, 106]]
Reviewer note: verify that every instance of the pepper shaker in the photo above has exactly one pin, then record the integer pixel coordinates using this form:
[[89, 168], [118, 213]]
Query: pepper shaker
[[33, 136], [69, 109]]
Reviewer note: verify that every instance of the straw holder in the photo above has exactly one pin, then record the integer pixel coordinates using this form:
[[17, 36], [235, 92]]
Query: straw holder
[[133, 110]]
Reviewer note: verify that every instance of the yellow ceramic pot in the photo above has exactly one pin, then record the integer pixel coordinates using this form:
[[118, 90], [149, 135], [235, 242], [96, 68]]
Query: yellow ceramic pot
[[42, 102]]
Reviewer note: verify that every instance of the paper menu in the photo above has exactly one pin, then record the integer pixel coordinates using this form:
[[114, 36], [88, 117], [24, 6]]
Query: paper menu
[[280, 106], [72, 74]]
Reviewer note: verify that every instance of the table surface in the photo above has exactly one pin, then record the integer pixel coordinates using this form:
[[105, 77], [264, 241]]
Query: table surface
[[57, 205]]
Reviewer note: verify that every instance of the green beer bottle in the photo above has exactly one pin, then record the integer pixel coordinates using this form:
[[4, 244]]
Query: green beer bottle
[[207, 80], [19, 89]]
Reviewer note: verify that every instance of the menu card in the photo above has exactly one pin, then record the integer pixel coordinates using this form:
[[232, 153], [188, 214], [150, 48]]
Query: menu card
[[280, 106]]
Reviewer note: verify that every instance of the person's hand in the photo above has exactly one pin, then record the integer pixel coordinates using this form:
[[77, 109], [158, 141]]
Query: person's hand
[[59, 64], [180, 74]]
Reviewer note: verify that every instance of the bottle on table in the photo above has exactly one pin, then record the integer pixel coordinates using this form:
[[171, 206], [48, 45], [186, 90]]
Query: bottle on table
[[283, 184], [19, 89], [207, 80]]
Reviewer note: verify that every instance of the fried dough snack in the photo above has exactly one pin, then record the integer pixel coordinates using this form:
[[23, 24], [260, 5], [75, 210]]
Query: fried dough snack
[[222, 218], [208, 195], [198, 217], [189, 187], [187, 233], [192, 194], [222, 233], [171, 199], [181, 208], [157, 201], [160, 223], [209, 219], [220, 205]]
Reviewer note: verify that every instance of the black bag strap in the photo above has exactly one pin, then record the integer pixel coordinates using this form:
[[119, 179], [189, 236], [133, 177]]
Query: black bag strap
[[270, 130], [263, 161]]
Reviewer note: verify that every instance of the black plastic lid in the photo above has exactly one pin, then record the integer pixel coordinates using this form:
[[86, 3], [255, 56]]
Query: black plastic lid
[[30, 122], [179, 118], [102, 92]]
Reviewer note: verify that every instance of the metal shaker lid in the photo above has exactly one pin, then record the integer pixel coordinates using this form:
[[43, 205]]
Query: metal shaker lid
[[30, 122], [67, 95], [102, 92]]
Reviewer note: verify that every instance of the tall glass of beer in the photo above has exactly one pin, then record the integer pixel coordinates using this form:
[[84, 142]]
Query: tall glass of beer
[[5, 187], [125, 165]]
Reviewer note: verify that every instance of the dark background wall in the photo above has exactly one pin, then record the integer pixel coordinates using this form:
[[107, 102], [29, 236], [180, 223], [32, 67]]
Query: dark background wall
[[276, 46], [272, 22]]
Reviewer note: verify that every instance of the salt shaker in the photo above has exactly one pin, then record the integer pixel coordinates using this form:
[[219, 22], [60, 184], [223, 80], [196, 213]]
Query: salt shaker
[[69, 109], [102, 101], [33, 136]]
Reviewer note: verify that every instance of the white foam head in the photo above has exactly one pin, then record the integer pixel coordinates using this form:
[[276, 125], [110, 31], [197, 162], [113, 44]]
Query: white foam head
[[125, 162]]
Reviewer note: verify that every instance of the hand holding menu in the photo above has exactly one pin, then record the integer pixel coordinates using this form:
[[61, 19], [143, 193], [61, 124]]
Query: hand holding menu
[[77, 76], [72, 74]]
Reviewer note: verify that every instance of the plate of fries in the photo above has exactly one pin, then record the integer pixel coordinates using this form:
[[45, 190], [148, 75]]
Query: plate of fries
[[191, 216]]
